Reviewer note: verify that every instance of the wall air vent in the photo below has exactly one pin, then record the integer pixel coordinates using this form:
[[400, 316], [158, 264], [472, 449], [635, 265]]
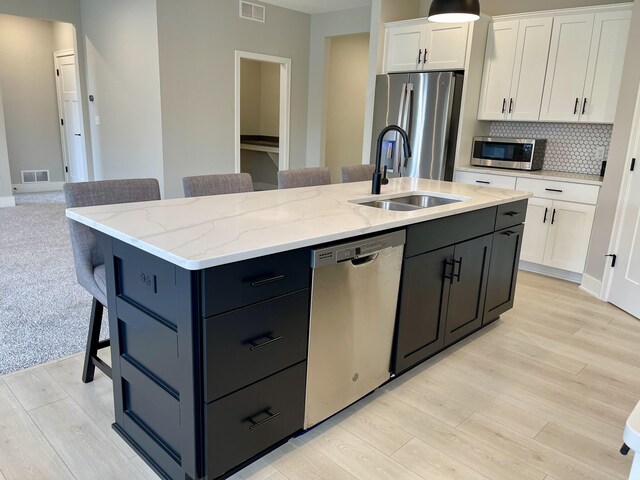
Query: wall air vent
[[252, 11], [35, 176]]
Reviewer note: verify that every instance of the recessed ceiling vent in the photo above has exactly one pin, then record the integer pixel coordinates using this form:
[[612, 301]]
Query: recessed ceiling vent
[[251, 11]]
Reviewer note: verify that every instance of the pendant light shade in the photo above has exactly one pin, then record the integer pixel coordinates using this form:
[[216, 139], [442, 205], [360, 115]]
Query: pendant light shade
[[454, 11]]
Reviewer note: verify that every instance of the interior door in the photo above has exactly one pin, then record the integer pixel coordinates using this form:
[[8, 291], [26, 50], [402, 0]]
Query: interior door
[[567, 67], [405, 48], [530, 68], [536, 229], [445, 46], [468, 288], [498, 70], [604, 74], [72, 130], [569, 222]]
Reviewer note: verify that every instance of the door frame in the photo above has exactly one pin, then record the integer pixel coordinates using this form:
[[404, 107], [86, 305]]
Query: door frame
[[285, 104], [63, 134], [621, 206]]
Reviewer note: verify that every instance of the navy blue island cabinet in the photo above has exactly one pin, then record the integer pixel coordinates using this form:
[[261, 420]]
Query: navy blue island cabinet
[[209, 366]]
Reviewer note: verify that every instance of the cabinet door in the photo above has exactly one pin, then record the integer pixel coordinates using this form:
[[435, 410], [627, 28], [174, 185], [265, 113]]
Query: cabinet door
[[423, 307], [503, 272], [569, 235], [498, 70], [446, 46], [536, 228], [567, 67], [468, 288], [404, 48], [604, 74], [530, 67]]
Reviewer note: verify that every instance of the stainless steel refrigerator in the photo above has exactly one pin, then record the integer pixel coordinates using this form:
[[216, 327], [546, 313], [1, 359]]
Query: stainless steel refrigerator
[[427, 106]]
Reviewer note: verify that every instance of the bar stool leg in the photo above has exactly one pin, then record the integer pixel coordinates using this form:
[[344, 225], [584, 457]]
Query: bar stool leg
[[93, 341]]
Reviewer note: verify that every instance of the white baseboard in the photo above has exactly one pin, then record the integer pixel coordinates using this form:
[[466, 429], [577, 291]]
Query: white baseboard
[[592, 286], [37, 187], [551, 271], [7, 202]]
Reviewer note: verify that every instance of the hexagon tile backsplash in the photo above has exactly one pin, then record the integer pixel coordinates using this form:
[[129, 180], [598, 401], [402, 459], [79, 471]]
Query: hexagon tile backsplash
[[571, 147]]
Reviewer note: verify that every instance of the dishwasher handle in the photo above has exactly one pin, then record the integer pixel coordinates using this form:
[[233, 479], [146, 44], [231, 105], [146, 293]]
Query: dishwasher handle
[[360, 261]]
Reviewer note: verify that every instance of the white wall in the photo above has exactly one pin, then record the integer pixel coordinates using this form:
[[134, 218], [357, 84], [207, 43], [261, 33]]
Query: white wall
[[197, 57], [30, 105], [504, 7], [123, 75], [323, 27], [617, 162], [64, 36], [270, 99], [6, 192], [347, 88]]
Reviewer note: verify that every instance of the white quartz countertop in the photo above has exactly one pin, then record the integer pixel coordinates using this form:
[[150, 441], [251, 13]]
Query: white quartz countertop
[[202, 232], [540, 174]]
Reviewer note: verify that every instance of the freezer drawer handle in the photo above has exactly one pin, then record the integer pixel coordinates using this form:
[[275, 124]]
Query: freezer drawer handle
[[269, 340], [256, 424], [266, 281]]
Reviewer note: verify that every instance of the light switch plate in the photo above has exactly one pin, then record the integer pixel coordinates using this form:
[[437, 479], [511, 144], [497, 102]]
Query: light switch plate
[[97, 119]]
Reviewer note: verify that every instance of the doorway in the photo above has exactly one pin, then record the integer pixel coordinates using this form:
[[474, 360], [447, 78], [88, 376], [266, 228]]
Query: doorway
[[262, 117], [71, 125], [346, 93]]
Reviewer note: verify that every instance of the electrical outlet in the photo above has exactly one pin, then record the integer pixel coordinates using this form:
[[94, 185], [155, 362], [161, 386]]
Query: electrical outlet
[[599, 153]]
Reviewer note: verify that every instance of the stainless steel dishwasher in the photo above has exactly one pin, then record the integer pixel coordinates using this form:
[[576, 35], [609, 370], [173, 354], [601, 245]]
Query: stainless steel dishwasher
[[353, 310]]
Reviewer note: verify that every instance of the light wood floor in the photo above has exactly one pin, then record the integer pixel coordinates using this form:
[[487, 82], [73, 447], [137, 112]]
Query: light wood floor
[[541, 394]]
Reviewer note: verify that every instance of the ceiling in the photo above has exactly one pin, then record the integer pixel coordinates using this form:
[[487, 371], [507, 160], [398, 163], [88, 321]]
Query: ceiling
[[318, 6]]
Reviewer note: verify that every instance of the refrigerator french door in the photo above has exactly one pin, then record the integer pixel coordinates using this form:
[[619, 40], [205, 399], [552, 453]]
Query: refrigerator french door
[[427, 106]]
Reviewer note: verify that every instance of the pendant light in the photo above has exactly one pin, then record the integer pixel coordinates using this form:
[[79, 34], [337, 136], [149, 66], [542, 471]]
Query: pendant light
[[454, 11]]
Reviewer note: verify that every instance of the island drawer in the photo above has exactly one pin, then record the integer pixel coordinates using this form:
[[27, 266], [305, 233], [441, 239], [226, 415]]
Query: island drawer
[[435, 234], [236, 285], [244, 424], [251, 343], [511, 214]]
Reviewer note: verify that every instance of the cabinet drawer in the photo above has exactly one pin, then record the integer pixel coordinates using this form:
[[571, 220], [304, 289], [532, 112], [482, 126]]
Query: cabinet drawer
[[243, 283], [511, 214], [251, 343], [244, 424], [435, 234], [487, 180], [565, 191]]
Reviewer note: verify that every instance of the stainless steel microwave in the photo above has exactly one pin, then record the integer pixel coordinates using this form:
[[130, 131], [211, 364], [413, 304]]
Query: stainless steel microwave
[[514, 153]]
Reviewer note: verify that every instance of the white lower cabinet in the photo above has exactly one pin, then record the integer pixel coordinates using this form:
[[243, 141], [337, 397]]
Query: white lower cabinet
[[536, 230]]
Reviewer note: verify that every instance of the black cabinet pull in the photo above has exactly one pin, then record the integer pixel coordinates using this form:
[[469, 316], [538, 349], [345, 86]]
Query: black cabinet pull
[[508, 233], [504, 105], [546, 212], [425, 56], [256, 424], [269, 340], [510, 105], [266, 281], [584, 107], [483, 182], [447, 264], [457, 275], [553, 190], [553, 217], [511, 214], [419, 56], [575, 109]]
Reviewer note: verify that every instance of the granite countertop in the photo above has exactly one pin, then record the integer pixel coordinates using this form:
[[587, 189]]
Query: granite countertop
[[202, 232], [540, 174]]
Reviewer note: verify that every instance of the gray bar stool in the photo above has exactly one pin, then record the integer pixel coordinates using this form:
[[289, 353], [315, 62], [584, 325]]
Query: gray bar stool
[[88, 258], [205, 185], [357, 173], [303, 177]]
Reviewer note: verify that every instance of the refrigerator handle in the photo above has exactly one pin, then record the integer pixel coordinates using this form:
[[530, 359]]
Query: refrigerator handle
[[404, 124], [401, 115]]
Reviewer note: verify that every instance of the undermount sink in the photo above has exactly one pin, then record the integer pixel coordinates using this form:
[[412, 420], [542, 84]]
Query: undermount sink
[[410, 202]]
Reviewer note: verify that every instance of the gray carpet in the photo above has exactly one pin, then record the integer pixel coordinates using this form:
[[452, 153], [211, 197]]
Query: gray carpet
[[44, 313]]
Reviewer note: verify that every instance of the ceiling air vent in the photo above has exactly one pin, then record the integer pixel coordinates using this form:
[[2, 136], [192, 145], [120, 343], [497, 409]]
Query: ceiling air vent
[[251, 11]]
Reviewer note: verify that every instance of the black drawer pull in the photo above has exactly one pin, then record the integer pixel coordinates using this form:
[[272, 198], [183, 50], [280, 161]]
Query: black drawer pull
[[511, 214], [270, 339], [483, 181], [266, 281], [508, 233], [553, 190], [255, 424]]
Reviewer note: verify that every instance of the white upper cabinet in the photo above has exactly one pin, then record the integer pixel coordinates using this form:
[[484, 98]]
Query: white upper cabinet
[[606, 61], [419, 45], [515, 66], [567, 68]]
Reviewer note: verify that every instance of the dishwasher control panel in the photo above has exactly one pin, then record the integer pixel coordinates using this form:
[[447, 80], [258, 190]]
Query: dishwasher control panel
[[348, 251]]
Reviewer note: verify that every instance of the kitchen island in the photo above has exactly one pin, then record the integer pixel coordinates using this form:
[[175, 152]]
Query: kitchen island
[[209, 304]]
